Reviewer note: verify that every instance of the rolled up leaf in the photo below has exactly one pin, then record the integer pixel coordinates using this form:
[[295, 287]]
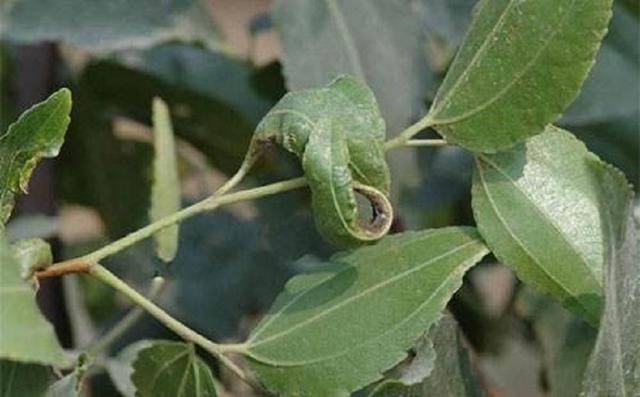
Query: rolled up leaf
[[338, 134]]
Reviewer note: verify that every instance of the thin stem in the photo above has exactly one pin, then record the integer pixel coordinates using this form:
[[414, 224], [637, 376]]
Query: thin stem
[[425, 142], [218, 199], [126, 322], [165, 318], [405, 135], [207, 204]]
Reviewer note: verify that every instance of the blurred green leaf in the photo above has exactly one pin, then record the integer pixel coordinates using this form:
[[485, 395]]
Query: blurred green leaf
[[513, 74], [25, 334], [223, 259], [100, 26], [606, 115], [171, 369], [39, 132], [100, 171], [323, 39], [441, 367], [606, 94], [213, 126], [448, 19], [539, 208], [614, 367], [18, 379], [165, 191], [307, 342], [565, 338]]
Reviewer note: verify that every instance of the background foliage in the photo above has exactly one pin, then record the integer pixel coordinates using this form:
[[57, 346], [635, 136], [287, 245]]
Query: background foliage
[[230, 265]]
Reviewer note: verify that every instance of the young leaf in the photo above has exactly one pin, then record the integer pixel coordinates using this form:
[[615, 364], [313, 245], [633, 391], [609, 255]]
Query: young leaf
[[369, 305], [614, 366], [165, 191], [539, 207], [18, 379], [338, 134], [171, 369], [441, 367], [521, 64], [25, 335], [38, 132]]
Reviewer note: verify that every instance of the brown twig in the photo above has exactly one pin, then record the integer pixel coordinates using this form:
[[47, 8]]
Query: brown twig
[[67, 267]]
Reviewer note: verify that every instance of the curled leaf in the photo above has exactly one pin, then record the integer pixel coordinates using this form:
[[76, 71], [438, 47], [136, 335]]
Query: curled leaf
[[338, 134]]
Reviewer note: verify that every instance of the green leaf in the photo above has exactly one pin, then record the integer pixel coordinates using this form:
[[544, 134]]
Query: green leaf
[[441, 367], [32, 255], [539, 208], [171, 369], [165, 191], [614, 367], [521, 64], [369, 305], [323, 39], [120, 368], [18, 379], [108, 26], [39, 132], [25, 335], [338, 134]]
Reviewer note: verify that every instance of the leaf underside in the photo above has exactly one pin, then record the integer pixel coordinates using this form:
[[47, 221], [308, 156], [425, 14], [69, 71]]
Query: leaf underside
[[171, 369], [539, 207]]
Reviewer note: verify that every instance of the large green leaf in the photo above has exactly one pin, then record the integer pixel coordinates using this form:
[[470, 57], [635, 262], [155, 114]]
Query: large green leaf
[[39, 132], [172, 369], [323, 39], [165, 191], [18, 379], [100, 26], [441, 367], [521, 64], [614, 367], [539, 208], [25, 335], [368, 305]]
